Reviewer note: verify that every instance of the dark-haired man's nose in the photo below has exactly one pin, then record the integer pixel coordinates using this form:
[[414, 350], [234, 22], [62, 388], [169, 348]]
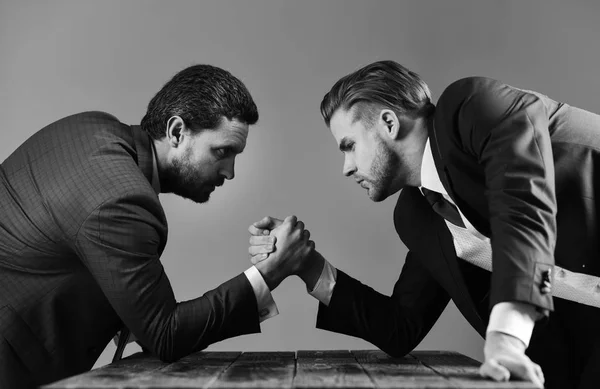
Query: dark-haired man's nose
[[228, 169], [349, 166]]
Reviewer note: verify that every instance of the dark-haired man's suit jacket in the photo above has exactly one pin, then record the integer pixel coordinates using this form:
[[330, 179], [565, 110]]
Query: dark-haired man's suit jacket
[[510, 159], [81, 233]]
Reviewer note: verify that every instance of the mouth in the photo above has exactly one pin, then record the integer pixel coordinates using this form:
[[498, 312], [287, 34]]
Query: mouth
[[362, 183]]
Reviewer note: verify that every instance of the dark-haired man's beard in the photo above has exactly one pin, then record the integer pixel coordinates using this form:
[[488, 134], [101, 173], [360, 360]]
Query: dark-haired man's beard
[[383, 170], [188, 181]]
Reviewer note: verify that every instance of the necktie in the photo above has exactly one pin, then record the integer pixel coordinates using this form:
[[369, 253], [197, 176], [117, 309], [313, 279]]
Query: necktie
[[443, 207]]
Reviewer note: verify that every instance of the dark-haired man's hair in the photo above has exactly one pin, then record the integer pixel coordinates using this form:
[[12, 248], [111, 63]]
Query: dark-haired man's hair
[[201, 95], [383, 84]]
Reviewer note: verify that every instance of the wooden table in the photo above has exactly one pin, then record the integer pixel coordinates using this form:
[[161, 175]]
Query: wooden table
[[362, 369]]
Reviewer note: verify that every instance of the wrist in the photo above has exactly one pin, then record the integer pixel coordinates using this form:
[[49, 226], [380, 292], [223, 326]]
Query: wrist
[[312, 269], [497, 338], [262, 268]]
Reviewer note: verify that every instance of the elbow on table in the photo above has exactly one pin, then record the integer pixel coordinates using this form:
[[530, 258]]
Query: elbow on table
[[396, 351], [397, 347], [170, 354], [168, 357]]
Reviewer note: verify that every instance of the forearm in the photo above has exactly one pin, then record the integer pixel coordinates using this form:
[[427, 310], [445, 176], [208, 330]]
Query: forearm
[[515, 319], [313, 269], [227, 311], [395, 324]]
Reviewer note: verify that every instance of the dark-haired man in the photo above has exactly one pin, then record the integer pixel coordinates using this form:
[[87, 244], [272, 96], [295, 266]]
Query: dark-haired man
[[82, 231], [492, 177]]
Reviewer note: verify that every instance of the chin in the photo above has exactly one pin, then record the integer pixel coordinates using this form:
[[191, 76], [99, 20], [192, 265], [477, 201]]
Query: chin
[[199, 200], [378, 199], [202, 198], [195, 197], [377, 196]]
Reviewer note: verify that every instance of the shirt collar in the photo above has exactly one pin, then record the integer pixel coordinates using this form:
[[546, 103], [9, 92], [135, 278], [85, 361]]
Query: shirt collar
[[429, 175]]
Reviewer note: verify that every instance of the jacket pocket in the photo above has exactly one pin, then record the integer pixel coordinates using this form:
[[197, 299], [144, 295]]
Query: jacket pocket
[[22, 339]]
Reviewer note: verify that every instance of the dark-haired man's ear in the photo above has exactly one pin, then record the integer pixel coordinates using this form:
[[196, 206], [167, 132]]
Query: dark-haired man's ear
[[175, 127], [392, 124]]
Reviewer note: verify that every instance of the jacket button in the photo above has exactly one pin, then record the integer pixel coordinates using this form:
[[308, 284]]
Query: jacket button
[[546, 286]]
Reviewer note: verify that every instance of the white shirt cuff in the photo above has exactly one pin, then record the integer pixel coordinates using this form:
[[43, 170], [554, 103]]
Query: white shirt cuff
[[513, 318], [323, 289], [266, 305]]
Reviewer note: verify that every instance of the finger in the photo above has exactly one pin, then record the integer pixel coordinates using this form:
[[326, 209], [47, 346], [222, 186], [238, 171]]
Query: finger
[[292, 219], [523, 368], [258, 258], [495, 371], [262, 240], [254, 250], [300, 225], [306, 234], [290, 222], [308, 249], [253, 230], [539, 373], [267, 222], [531, 374]]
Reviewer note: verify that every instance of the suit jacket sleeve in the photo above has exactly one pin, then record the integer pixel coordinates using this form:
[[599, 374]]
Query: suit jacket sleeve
[[119, 244], [506, 130], [397, 323]]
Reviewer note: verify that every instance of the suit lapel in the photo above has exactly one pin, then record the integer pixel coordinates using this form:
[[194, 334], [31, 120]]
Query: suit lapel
[[471, 199]]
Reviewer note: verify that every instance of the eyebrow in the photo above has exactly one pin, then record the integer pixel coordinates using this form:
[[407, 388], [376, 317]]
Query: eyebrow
[[233, 146], [345, 144]]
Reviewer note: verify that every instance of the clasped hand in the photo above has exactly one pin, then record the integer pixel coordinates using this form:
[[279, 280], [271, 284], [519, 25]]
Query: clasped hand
[[278, 248]]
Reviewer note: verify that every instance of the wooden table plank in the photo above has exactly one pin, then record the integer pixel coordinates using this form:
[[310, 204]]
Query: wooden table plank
[[330, 369], [197, 370], [362, 369], [259, 370], [463, 371], [111, 376], [405, 373]]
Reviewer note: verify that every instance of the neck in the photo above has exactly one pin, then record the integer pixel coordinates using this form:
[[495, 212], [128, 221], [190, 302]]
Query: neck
[[410, 150], [161, 147]]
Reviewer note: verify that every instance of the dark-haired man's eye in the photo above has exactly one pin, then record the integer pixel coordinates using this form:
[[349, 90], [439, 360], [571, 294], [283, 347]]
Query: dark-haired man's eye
[[222, 153]]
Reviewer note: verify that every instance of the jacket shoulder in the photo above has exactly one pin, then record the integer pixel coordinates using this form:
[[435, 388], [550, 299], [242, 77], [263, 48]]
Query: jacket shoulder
[[465, 88], [91, 116]]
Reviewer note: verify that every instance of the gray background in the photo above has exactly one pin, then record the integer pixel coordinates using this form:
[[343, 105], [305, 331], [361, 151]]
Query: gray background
[[59, 58]]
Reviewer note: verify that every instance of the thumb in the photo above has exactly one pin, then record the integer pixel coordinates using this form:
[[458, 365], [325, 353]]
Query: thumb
[[492, 369], [267, 222]]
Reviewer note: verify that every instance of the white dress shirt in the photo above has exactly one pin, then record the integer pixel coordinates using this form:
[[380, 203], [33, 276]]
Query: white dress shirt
[[266, 305]]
